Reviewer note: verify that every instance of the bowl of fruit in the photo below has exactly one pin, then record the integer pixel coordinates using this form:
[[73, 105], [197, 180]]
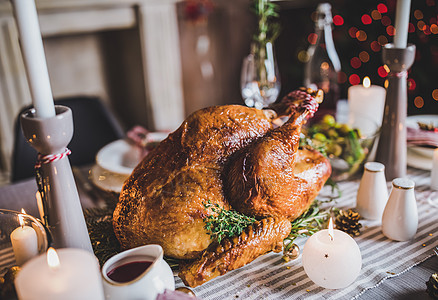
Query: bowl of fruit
[[347, 145]]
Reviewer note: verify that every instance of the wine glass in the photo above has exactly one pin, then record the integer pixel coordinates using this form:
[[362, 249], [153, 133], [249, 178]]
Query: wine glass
[[260, 81]]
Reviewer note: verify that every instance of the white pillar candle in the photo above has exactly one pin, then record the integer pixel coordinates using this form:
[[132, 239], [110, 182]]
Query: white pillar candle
[[402, 23], [34, 58], [66, 274], [24, 242], [331, 258], [367, 101], [434, 172]]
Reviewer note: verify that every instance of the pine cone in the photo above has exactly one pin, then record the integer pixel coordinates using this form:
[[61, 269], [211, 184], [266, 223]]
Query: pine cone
[[432, 286], [348, 221]]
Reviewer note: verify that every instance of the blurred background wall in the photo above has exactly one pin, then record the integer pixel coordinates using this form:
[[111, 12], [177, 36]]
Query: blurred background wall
[[109, 61]]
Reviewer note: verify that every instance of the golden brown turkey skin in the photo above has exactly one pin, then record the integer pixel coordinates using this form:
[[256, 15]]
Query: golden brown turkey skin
[[232, 253], [162, 200], [271, 177], [205, 160]]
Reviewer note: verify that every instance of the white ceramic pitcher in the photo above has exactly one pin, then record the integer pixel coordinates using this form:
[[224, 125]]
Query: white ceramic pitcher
[[153, 281]]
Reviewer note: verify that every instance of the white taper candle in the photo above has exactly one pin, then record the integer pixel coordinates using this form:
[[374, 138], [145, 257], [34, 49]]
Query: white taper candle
[[34, 58], [402, 23]]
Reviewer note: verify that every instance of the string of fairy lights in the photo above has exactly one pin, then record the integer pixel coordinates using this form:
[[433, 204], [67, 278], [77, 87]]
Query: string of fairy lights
[[369, 32]]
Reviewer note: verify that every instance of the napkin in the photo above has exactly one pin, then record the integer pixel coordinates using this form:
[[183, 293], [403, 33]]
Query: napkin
[[420, 137]]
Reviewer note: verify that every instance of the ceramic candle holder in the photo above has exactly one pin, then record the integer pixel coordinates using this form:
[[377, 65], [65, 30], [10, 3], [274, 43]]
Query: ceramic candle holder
[[61, 204], [391, 150]]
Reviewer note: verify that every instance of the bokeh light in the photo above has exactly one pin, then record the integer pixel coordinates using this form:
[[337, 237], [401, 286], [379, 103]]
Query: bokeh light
[[338, 20], [382, 71], [352, 32], [412, 85], [366, 19], [375, 46], [355, 62], [435, 94], [354, 79], [418, 102], [364, 56], [303, 56], [418, 14], [390, 30], [382, 8], [361, 36], [420, 25], [342, 77], [386, 21], [311, 38], [370, 29], [383, 40], [426, 29], [376, 15]]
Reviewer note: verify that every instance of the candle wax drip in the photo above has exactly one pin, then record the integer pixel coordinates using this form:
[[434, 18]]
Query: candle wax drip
[[129, 271]]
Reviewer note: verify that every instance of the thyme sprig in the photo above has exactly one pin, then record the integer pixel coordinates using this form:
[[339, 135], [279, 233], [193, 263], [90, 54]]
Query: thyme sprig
[[225, 223], [307, 224]]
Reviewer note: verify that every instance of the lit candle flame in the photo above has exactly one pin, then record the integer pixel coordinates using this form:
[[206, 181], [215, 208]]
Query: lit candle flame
[[366, 82], [52, 259], [330, 230], [20, 218]]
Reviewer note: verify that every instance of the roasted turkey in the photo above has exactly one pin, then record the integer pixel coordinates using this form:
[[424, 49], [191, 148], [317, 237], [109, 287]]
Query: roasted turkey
[[230, 155]]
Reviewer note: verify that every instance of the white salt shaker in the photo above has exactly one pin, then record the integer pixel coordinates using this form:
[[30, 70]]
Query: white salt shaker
[[400, 217], [372, 194]]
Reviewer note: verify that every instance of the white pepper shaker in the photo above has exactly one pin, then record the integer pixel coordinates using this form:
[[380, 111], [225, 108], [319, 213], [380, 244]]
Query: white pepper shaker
[[372, 194], [400, 217]]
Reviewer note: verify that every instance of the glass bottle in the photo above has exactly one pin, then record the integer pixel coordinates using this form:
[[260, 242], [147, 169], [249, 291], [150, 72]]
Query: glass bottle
[[322, 69]]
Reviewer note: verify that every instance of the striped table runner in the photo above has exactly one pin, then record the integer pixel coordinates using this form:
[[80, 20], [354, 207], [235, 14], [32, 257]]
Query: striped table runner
[[268, 277], [7, 259]]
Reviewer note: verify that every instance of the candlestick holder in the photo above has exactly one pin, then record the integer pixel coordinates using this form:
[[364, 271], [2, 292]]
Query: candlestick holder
[[62, 208], [392, 147]]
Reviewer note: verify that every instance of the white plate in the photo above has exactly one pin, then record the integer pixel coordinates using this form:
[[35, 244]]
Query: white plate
[[412, 122], [118, 157], [416, 160], [107, 181], [116, 161]]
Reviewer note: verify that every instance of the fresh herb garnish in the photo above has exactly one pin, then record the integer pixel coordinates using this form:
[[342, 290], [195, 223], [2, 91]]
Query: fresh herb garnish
[[307, 224], [225, 223]]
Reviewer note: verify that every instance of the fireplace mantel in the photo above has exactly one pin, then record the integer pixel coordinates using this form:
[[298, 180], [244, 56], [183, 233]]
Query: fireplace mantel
[[157, 27]]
